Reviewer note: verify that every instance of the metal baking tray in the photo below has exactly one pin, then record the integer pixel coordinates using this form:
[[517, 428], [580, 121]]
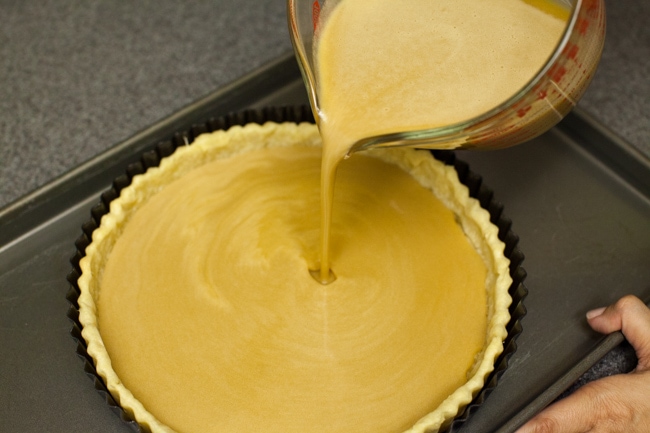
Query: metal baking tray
[[579, 199]]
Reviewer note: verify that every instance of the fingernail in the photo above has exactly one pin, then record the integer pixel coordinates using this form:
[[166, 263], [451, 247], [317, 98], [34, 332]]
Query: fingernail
[[595, 313]]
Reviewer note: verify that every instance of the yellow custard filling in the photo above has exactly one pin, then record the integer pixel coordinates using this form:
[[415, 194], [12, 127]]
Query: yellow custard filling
[[200, 313]]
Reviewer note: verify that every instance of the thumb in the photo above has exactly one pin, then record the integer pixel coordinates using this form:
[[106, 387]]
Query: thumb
[[631, 316]]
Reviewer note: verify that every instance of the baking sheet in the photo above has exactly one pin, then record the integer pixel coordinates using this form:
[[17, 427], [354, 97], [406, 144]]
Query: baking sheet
[[578, 197]]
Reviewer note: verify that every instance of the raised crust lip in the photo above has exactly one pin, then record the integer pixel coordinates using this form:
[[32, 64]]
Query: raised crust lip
[[297, 114]]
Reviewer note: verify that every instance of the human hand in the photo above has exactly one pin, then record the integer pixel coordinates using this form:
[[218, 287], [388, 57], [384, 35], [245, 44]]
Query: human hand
[[619, 403]]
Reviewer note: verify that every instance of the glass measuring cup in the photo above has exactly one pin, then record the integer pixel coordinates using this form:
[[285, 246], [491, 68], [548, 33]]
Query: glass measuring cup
[[534, 109]]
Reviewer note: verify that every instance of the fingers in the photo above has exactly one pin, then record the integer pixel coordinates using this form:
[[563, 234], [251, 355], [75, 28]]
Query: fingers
[[616, 404], [631, 316], [572, 414]]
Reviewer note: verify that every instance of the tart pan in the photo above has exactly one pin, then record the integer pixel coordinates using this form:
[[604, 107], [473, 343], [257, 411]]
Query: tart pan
[[477, 189]]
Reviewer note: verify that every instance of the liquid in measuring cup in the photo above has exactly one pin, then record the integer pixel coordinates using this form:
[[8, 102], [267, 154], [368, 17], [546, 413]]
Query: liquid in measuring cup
[[387, 66]]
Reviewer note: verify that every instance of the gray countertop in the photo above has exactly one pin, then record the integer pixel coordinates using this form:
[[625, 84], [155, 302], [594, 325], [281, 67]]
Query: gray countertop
[[78, 77]]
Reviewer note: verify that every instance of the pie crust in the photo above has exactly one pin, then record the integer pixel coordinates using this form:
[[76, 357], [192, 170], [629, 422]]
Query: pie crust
[[441, 179]]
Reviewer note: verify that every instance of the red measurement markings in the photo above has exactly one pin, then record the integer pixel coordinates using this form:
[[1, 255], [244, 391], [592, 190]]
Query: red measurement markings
[[556, 72], [522, 111], [315, 14], [571, 51], [582, 25], [592, 8]]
